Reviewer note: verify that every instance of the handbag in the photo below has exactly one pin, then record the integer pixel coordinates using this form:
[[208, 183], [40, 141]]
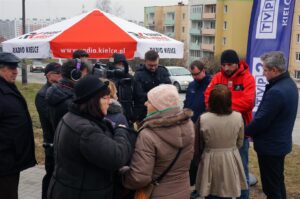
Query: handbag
[[146, 192]]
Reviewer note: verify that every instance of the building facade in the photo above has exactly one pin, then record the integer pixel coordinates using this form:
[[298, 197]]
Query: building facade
[[172, 21], [215, 25], [13, 28], [294, 59]]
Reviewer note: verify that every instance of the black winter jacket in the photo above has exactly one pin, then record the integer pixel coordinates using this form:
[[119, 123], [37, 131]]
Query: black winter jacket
[[16, 133], [43, 109], [147, 80], [59, 97], [87, 155]]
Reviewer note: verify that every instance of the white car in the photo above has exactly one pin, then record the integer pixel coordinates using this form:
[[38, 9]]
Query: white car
[[180, 77]]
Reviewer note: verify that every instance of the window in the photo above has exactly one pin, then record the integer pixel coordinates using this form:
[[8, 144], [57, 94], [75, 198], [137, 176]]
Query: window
[[298, 56], [195, 53], [298, 19], [224, 40], [298, 38], [183, 16], [225, 25], [225, 8], [182, 29], [297, 74]]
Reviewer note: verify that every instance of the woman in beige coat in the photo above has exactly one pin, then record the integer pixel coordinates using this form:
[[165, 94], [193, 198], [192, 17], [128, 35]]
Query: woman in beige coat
[[165, 130], [220, 172]]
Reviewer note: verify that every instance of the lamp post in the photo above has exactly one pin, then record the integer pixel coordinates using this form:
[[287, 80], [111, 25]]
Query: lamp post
[[24, 67]]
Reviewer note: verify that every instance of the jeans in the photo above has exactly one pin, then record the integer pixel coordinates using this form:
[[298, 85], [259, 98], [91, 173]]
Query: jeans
[[244, 152]]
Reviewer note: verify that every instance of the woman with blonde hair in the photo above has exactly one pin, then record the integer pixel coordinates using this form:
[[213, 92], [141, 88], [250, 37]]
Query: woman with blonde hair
[[221, 133], [115, 109]]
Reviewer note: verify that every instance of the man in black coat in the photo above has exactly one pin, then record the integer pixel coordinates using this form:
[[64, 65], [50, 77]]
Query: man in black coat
[[59, 96], [16, 133], [52, 73], [148, 76], [273, 124]]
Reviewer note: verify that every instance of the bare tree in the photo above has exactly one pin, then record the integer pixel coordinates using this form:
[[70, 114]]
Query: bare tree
[[118, 10], [104, 5]]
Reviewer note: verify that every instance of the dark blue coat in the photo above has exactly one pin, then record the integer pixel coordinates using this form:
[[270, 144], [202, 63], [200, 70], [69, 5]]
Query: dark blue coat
[[194, 98], [274, 120]]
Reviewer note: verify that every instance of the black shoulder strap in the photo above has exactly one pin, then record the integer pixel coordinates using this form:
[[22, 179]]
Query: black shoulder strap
[[159, 178]]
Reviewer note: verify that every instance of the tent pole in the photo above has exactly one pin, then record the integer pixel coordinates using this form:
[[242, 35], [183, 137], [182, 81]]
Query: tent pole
[[24, 67]]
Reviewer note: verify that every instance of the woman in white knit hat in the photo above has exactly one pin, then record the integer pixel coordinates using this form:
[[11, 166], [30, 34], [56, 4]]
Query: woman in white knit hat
[[164, 148]]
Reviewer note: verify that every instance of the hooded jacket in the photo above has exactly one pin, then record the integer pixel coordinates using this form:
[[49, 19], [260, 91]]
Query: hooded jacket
[[59, 96], [162, 135], [242, 87]]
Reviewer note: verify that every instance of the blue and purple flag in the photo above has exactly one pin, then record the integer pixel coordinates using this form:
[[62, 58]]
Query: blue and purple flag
[[270, 30]]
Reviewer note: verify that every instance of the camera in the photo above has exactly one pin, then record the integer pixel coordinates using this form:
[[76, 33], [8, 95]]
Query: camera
[[107, 71]]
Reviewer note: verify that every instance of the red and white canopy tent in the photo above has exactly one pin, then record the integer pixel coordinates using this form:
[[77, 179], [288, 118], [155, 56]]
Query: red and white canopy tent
[[99, 33]]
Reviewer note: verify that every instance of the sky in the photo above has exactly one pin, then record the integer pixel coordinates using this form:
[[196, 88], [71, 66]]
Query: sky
[[133, 9]]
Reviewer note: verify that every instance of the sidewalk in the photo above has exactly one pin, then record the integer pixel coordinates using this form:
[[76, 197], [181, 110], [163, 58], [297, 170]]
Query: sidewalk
[[30, 186], [31, 179]]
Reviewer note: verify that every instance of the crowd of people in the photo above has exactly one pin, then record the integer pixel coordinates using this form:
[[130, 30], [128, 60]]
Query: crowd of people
[[123, 136]]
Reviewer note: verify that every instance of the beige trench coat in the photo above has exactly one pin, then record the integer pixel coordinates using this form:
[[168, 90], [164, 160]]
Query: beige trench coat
[[220, 170], [156, 147]]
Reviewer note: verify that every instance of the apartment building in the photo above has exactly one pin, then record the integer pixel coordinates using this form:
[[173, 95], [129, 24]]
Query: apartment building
[[169, 20], [216, 25], [12, 28], [294, 59]]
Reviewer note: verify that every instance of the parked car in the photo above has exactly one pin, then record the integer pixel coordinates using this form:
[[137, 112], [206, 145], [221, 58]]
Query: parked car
[[37, 66], [180, 77]]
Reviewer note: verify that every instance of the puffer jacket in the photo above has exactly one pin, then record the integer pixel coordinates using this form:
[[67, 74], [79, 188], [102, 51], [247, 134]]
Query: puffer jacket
[[115, 114], [88, 153], [59, 97], [158, 142]]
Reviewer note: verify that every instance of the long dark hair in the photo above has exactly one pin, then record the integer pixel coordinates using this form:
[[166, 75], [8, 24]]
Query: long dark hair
[[219, 101], [92, 106]]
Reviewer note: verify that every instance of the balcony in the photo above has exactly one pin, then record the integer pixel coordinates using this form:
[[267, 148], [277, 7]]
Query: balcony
[[195, 16], [209, 15], [170, 34], [207, 31], [151, 22], [169, 22], [195, 31], [208, 47], [195, 46]]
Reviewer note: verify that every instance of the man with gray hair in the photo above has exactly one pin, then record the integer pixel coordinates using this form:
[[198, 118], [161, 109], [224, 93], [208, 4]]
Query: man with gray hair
[[272, 126]]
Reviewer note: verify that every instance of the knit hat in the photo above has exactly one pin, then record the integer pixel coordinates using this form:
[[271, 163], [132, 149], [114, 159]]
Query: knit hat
[[88, 87], [229, 57], [163, 96]]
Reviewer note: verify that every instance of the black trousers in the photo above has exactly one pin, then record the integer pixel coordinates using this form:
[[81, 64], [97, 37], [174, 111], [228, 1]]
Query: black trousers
[[49, 166], [272, 176], [9, 186]]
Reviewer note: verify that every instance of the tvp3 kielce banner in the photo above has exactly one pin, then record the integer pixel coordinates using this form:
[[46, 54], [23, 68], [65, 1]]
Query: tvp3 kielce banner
[[270, 30]]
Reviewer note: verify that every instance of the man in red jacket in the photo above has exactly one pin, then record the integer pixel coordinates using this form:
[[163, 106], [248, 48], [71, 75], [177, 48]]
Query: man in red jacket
[[236, 76]]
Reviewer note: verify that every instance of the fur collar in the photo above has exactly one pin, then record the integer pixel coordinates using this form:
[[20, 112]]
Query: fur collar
[[169, 118]]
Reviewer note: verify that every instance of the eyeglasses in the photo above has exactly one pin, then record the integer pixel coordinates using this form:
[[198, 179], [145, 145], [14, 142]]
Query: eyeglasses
[[196, 74]]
